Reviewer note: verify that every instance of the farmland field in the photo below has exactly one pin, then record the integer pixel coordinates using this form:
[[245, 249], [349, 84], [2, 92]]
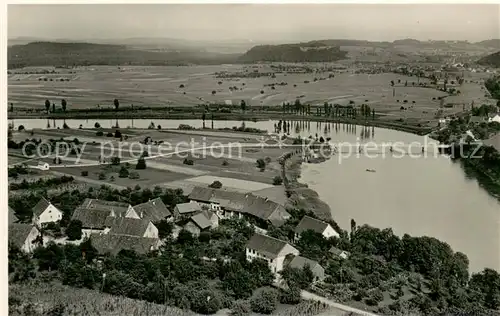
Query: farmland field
[[98, 86]]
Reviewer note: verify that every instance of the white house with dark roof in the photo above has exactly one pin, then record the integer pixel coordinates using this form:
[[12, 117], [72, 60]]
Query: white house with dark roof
[[270, 249], [24, 236], [93, 220], [44, 212], [321, 227], [153, 210]]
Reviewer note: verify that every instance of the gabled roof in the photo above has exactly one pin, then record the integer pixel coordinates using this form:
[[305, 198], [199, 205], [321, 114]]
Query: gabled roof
[[153, 210], [12, 216], [336, 251], [18, 233], [201, 221], [120, 208], [299, 262], [113, 244], [257, 206], [189, 207], [477, 119], [41, 206], [266, 245], [91, 218], [309, 223], [127, 226]]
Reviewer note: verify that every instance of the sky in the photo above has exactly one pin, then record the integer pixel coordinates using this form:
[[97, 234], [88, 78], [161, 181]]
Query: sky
[[289, 22]]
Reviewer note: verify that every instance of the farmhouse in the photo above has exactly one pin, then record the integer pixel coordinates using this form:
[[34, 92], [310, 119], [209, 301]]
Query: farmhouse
[[130, 227], [113, 244], [320, 227], [298, 262], [120, 209], [153, 210], [93, 220], [186, 210], [270, 249], [227, 204], [26, 237], [44, 212], [197, 224]]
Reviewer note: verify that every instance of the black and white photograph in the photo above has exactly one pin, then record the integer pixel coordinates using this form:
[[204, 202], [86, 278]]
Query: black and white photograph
[[251, 159]]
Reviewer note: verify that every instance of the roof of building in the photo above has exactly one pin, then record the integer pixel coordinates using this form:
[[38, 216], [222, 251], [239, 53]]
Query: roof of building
[[120, 208], [189, 207], [309, 223], [91, 218], [12, 216], [40, 207], [337, 251], [275, 193], [477, 119], [249, 203], [201, 221], [18, 233], [154, 210], [493, 141], [299, 262], [127, 226], [266, 245], [113, 244]]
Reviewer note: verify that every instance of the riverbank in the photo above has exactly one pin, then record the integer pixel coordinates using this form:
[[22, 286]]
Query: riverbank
[[249, 116]]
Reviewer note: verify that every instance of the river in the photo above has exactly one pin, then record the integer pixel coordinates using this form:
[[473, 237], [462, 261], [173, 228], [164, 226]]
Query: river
[[416, 194]]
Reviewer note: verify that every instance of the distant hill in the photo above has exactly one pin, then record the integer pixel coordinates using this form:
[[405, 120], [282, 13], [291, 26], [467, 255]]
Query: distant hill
[[80, 54], [316, 51], [494, 43], [491, 60]]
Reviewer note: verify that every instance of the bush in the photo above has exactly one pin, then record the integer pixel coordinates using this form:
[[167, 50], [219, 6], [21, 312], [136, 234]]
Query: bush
[[265, 302], [85, 173], [133, 175], [261, 164], [118, 134], [187, 161], [20, 128], [109, 134], [216, 185], [159, 126], [292, 296], [65, 126], [205, 302], [240, 308], [267, 160], [102, 176], [277, 180], [225, 163], [123, 173], [141, 163], [115, 161], [74, 230], [99, 133]]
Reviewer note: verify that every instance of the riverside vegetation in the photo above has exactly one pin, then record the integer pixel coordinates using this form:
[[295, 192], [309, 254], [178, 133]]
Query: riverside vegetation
[[385, 273]]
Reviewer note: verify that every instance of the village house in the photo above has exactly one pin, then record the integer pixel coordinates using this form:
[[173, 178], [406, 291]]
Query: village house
[[298, 262], [320, 227], [336, 252], [477, 119], [44, 212], [130, 227], [269, 249], [197, 224], [186, 210], [153, 210], [120, 209], [113, 244], [25, 236], [93, 220], [227, 204]]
